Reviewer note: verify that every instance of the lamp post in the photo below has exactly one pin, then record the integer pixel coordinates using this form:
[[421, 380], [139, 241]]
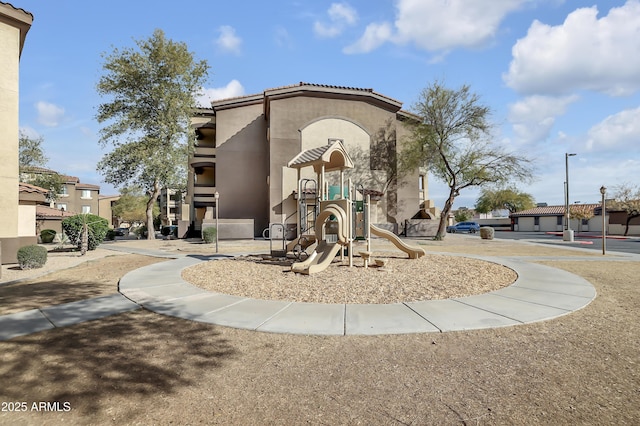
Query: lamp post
[[216, 195], [568, 233], [603, 191]]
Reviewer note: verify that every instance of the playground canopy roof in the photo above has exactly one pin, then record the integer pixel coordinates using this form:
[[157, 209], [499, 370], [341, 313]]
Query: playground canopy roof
[[333, 156]]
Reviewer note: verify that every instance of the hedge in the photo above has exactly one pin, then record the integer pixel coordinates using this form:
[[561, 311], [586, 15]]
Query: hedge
[[31, 257]]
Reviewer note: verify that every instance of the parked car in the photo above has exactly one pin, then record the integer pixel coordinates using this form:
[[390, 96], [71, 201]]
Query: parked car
[[470, 227], [121, 232]]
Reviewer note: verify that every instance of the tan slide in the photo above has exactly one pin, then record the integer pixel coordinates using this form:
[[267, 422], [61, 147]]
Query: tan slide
[[325, 252], [413, 252]]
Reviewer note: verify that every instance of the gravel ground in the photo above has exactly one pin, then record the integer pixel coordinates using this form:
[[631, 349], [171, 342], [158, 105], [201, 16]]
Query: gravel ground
[[400, 280]]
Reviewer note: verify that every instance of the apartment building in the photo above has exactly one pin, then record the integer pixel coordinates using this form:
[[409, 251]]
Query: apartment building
[[243, 145]]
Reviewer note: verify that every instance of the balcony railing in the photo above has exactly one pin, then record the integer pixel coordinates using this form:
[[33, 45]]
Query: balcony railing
[[203, 190], [204, 151]]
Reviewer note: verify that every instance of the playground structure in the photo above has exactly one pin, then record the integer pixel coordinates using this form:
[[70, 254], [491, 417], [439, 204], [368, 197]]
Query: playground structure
[[336, 218]]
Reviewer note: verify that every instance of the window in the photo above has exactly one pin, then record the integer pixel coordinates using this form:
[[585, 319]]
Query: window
[[86, 209], [421, 186], [86, 193], [559, 220], [64, 191], [536, 220], [62, 206]]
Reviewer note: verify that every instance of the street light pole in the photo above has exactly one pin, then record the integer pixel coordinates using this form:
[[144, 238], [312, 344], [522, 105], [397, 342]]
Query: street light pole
[[568, 234], [216, 195], [603, 191]]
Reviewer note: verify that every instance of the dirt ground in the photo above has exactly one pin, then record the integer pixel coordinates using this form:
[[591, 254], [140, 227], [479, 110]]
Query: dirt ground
[[144, 368]]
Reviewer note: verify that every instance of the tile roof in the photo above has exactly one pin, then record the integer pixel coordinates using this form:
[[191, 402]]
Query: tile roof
[[46, 212], [17, 8], [550, 210], [32, 189], [312, 85]]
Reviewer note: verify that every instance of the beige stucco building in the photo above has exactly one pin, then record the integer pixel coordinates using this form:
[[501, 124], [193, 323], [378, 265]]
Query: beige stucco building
[[243, 146], [14, 25]]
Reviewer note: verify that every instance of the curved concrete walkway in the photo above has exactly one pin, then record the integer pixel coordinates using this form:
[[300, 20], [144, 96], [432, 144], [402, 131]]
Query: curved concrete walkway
[[540, 293]]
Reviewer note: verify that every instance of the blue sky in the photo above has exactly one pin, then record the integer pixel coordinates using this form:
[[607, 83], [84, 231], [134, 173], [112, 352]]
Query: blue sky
[[560, 76]]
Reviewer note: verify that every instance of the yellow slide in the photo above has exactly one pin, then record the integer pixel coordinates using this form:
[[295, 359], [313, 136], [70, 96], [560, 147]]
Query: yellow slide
[[413, 252], [325, 252]]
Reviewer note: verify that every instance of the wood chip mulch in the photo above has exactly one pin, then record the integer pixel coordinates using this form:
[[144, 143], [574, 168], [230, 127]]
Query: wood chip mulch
[[399, 280]]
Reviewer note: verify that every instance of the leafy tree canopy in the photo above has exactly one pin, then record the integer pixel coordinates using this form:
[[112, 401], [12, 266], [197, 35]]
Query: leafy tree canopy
[[31, 155], [453, 140], [131, 207], [626, 199], [151, 92], [503, 199], [463, 214], [30, 152]]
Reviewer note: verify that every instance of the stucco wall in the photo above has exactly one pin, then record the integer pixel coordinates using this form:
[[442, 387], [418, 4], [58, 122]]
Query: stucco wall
[[299, 123], [242, 159], [27, 220], [9, 56]]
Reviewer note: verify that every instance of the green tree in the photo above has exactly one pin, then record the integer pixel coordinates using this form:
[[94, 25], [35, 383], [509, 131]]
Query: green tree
[[151, 93], [30, 153], [626, 199], [31, 156], [503, 199], [453, 141], [463, 214], [131, 207]]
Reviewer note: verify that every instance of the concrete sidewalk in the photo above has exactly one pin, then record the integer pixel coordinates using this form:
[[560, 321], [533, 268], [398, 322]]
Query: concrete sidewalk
[[35, 320], [540, 293]]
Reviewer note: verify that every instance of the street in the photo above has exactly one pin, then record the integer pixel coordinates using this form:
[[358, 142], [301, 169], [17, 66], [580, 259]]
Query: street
[[583, 240]]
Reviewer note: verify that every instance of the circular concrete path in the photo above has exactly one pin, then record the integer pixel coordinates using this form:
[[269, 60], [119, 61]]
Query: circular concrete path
[[540, 293]]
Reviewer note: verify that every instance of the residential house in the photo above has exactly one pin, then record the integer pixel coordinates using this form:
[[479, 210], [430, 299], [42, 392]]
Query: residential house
[[14, 25], [74, 197], [77, 197], [243, 146], [552, 219]]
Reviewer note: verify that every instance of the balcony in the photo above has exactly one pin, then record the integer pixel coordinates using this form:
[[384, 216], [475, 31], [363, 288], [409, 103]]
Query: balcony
[[204, 151]]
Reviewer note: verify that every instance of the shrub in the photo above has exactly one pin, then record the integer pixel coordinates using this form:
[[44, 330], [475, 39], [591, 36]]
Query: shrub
[[97, 226], [47, 235], [209, 234], [140, 231], [31, 257]]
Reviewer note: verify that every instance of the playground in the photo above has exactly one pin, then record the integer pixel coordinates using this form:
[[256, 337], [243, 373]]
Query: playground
[[432, 277], [140, 367], [199, 361]]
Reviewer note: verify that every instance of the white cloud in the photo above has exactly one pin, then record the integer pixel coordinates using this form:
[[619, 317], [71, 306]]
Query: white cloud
[[228, 41], [231, 90], [620, 131], [341, 15], [49, 114], [283, 38], [443, 25], [533, 117], [583, 53], [373, 37], [437, 25]]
